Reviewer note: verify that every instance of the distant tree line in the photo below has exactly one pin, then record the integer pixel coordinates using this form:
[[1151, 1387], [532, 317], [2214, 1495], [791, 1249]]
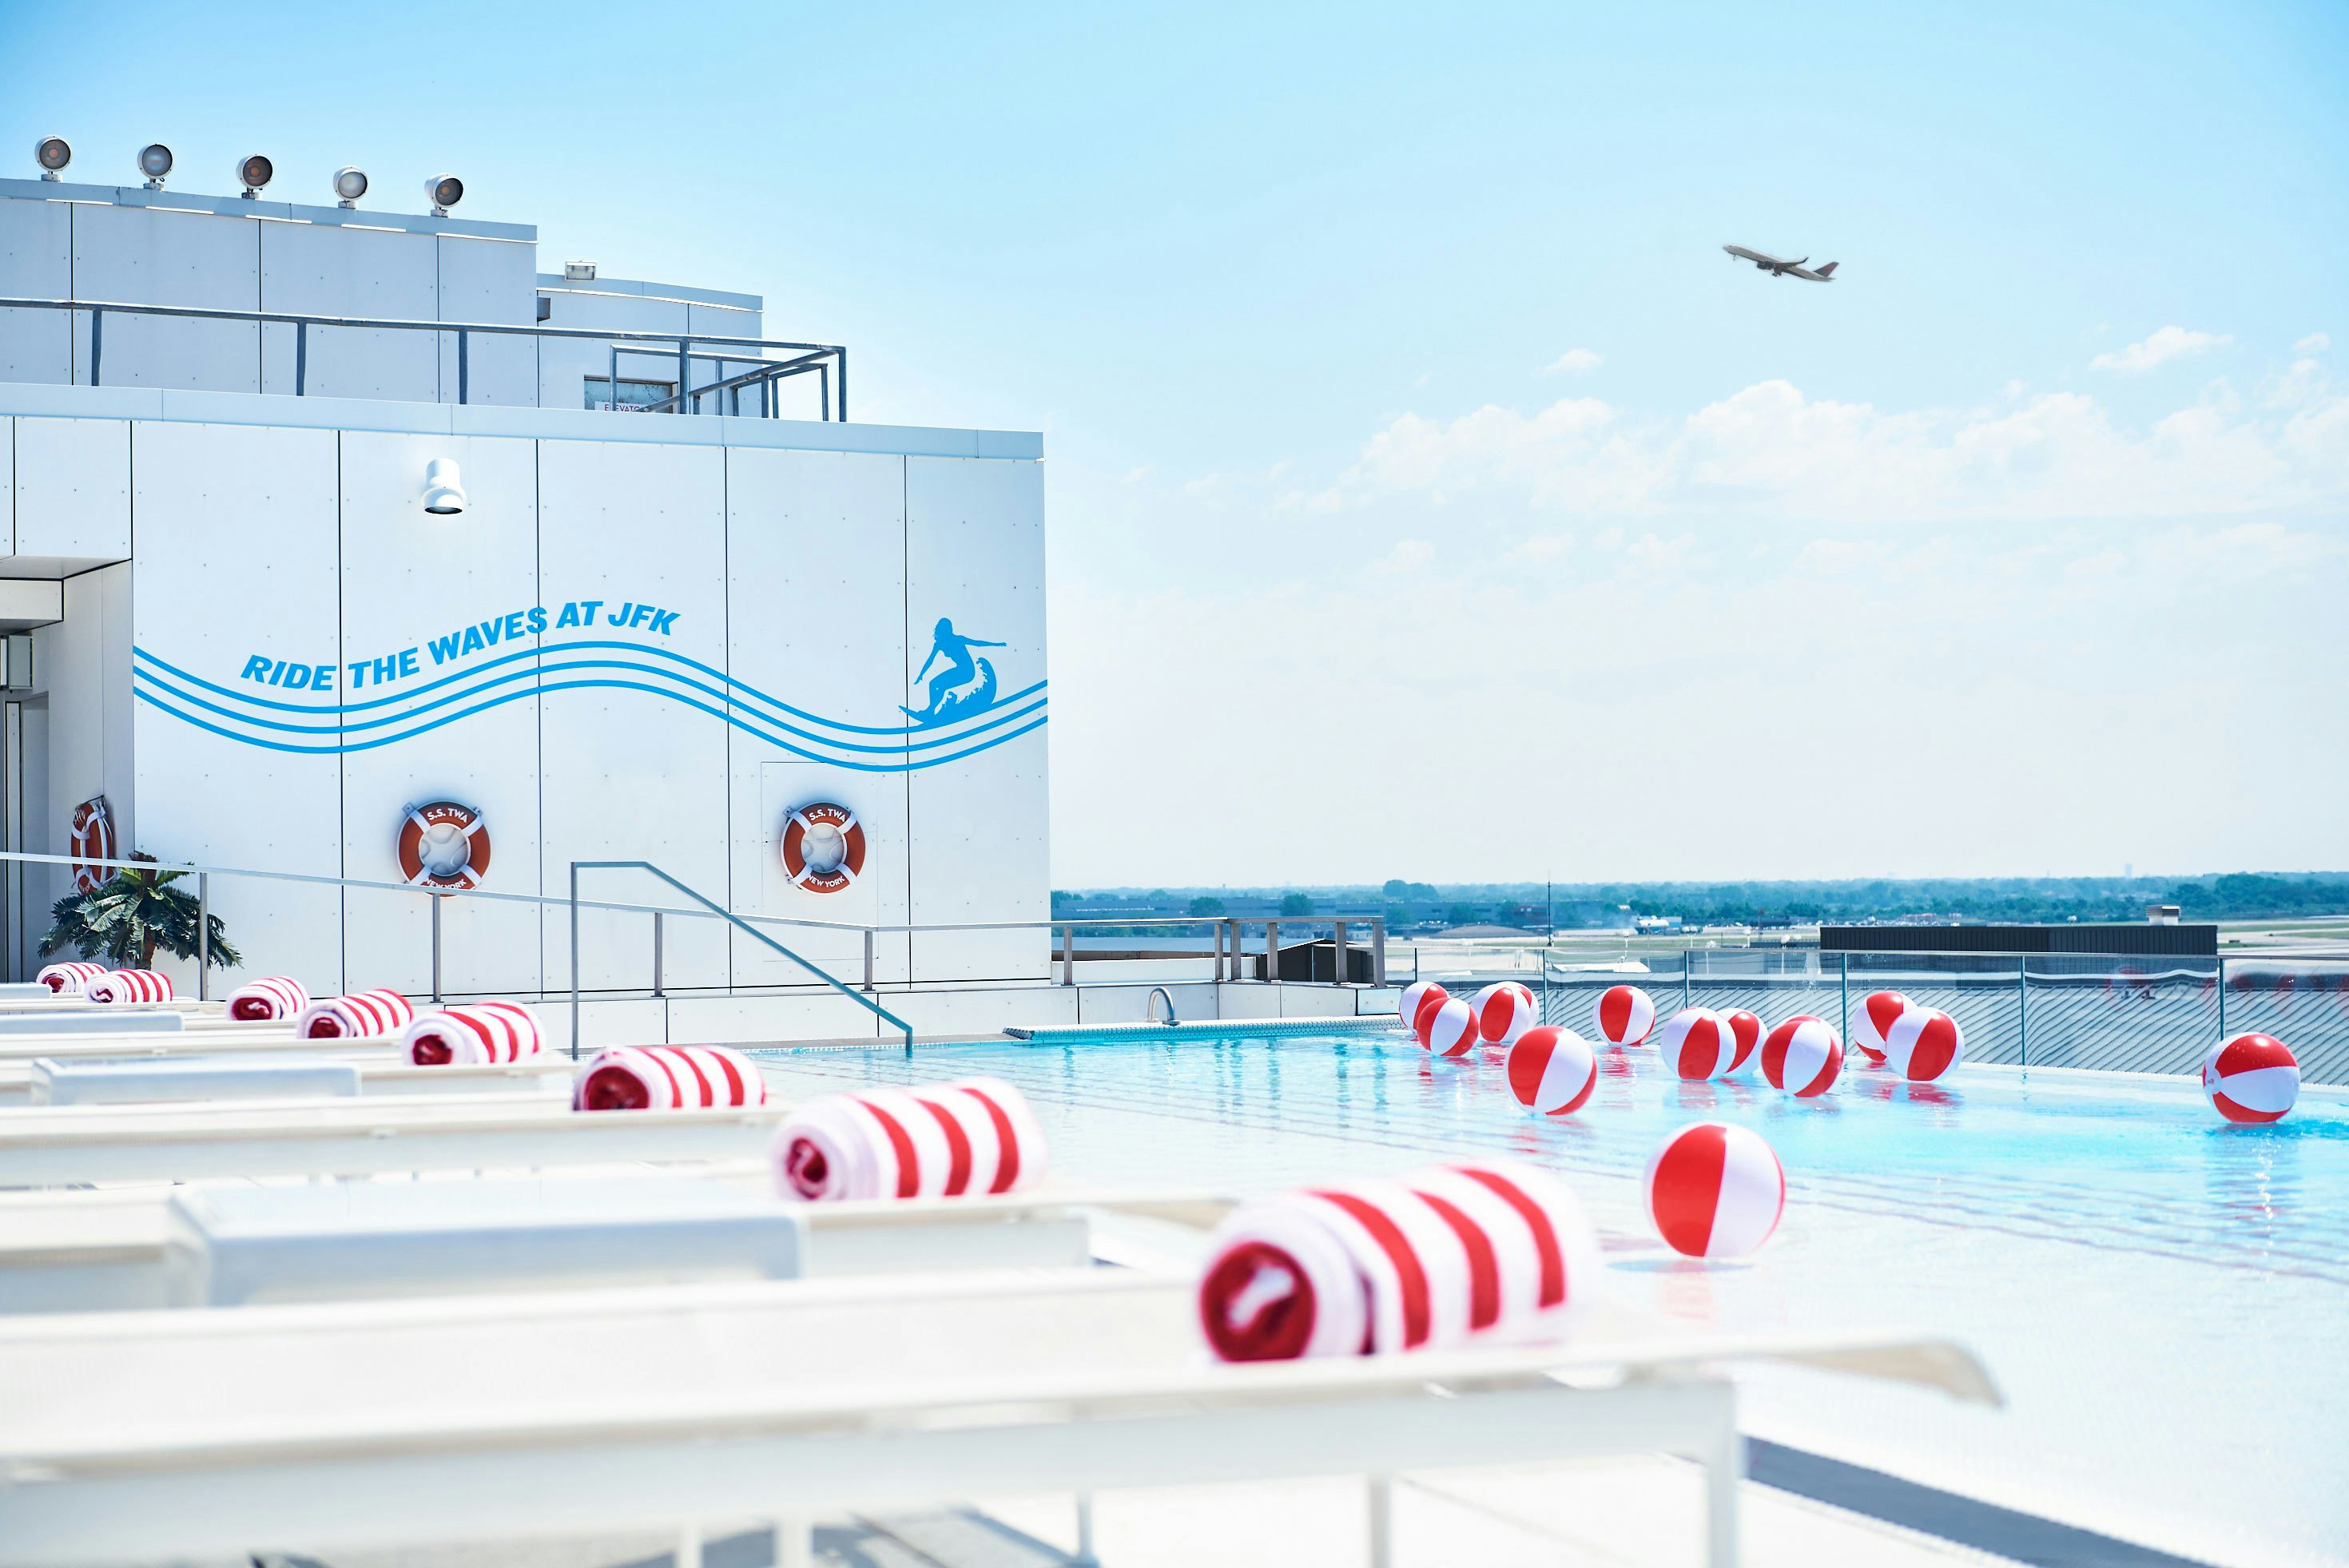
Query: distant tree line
[[1406, 905]]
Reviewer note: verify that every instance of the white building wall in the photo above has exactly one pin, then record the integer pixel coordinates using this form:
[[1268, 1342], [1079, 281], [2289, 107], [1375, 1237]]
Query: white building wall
[[35, 263], [274, 802], [566, 364], [73, 495], [310, 269], [633, 730], [791, 582], [462, 728], [496, 280], [105, 244], [975, 554], [817, 584], [83, 665], [150, 256]]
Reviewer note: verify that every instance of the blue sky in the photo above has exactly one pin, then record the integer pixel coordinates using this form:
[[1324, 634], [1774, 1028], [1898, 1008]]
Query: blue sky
[[1429, 496]]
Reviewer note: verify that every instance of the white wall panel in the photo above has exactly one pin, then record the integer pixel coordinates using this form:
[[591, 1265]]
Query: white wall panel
[[565, 363], [250, 800], [73, 488], [409, 577], [83, 736], [975, 554], [152, 255], [70, 660], [488, 280], [321, 269], [114, 703], [634, 774], [35, 263], [8, 484], [815, 552]]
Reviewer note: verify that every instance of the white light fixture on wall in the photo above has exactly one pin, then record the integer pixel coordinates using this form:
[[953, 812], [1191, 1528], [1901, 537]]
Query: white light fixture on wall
[[350, 184], [52, 153], [444, 190], [252, 173], [154, 161], [444, 492]]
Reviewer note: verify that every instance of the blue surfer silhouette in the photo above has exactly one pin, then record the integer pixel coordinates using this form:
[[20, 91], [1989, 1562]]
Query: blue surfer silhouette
[[946, 703]]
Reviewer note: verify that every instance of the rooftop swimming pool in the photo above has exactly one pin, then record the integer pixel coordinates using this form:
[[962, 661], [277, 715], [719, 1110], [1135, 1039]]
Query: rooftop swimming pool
[[2164, 1296]]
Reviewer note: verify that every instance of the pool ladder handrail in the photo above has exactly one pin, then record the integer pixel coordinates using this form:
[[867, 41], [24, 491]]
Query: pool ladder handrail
[[1150, 1007]]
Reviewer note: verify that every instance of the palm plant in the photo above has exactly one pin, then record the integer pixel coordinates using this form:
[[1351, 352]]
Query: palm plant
[[130, 915]]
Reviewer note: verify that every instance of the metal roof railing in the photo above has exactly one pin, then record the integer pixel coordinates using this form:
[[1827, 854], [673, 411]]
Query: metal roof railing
[[1228, 950], [827, 361]]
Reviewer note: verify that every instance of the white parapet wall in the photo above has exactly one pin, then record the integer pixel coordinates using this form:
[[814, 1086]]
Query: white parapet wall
[[643, 638]]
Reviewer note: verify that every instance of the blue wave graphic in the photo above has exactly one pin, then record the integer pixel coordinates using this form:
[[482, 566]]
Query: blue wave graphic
[[918, 746], [518, 667]]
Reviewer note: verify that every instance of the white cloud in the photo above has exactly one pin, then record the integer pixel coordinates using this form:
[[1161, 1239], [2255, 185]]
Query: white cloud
[[2167, 344], [1541, 547], [1771, 449], [2314, 343], [1408, 555], [1575, 362], [2009, 662], [2303, 383]]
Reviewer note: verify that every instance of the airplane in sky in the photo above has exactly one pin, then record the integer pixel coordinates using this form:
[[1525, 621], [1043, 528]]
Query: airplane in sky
[[1778, 269]]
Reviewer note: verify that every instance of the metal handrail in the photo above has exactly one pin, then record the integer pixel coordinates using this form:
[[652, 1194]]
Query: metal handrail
[[1226, 930], [302, 321], [724, 913]]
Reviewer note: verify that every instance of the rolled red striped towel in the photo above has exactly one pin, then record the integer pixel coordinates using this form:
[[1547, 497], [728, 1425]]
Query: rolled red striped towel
[[68, 979], [1487, 1253], [269, 998], [667, 1078], [474, 1034], [937, 1141], [119, 986], [361, 1016]]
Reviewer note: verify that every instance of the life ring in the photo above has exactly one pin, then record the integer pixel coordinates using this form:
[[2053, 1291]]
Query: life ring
[[92, 836], [834, 878], [417, 834]]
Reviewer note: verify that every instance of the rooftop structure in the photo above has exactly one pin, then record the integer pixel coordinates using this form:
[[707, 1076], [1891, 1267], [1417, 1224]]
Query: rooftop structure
[[328, 554]]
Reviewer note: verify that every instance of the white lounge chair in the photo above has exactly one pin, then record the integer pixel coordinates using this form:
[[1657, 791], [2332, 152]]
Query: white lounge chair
[[67, 1144], [63, 1024], [140, 1436], [119, 1248], [99, 1044], [258, 1073], [178, 1078]]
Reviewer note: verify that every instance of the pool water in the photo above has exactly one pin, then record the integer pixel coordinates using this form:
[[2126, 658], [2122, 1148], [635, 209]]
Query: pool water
[[2164, 1296]]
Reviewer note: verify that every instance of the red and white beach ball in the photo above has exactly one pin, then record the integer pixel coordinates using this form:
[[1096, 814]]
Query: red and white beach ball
[[1505, 1011], [1877, 1015], [1552, 1070], [2252, 1077], [1450, 1029], [1407, 1005], [1716, 1191], [1802, 1057], [1697, 1043], [1748, 1028], [1423, 1016], [1624, 1015], [1923, 1043]]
